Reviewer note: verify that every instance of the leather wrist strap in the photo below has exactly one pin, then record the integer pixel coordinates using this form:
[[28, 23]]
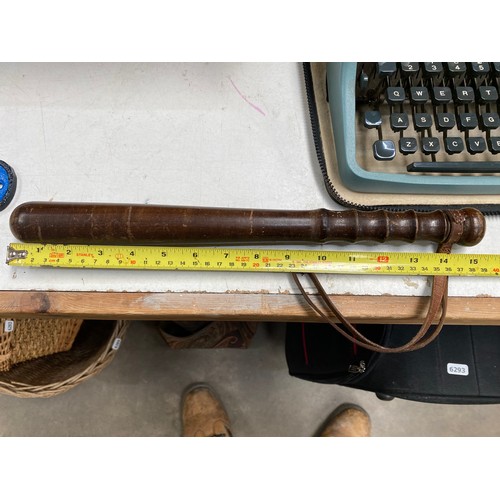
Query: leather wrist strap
[[436, 312]]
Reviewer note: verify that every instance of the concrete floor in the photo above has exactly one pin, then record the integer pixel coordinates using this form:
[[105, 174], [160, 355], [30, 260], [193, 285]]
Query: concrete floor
[[139, 394]]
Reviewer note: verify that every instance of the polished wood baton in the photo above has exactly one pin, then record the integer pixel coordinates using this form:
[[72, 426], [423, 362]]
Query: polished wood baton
[[89, 223]]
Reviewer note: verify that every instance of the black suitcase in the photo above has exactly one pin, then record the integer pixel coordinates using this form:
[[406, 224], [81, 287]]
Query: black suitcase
[[462, 366]]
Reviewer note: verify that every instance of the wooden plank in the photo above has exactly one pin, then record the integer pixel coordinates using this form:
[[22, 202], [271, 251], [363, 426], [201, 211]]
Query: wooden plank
[[243, 306]]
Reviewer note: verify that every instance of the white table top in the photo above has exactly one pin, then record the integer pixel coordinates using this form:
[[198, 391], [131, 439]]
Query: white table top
[[204, 134]]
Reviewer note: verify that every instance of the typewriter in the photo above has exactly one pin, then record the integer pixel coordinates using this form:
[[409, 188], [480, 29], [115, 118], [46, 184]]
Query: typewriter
[[416, 127]]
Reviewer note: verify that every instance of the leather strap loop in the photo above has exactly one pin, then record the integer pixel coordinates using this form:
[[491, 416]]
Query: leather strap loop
[[436, 312], [422, 337]]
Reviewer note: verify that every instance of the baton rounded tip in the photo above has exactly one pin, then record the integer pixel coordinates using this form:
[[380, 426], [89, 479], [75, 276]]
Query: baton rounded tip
[[474, 227]]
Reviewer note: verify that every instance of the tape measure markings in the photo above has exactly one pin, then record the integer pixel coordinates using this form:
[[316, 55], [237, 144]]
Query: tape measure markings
[[250, 260]]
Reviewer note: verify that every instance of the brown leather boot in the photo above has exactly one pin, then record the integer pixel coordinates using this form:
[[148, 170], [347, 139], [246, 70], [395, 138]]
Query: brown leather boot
[[347, 421], [203, 414]]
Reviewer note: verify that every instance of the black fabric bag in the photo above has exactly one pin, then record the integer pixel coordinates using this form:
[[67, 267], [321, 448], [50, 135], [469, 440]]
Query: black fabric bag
[[462, 366]]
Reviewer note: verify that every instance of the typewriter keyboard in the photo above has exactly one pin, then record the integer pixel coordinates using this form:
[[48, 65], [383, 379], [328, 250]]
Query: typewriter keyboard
[[429, 117]]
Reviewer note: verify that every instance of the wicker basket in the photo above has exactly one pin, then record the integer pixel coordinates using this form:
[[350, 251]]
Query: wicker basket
[[93, 349], [31, 338]]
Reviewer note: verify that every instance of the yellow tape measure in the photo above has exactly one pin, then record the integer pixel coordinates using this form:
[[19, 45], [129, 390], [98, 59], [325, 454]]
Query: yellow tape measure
[[250, 260]]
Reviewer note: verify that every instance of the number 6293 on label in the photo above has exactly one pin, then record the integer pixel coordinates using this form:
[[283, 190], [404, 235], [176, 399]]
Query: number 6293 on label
[[457, 369]]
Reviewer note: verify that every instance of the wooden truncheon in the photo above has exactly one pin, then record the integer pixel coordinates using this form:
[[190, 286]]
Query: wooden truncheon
[[85, 223]]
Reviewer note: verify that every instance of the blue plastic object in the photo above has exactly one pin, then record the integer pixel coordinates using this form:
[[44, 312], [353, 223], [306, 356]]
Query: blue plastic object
[[8, 183]]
